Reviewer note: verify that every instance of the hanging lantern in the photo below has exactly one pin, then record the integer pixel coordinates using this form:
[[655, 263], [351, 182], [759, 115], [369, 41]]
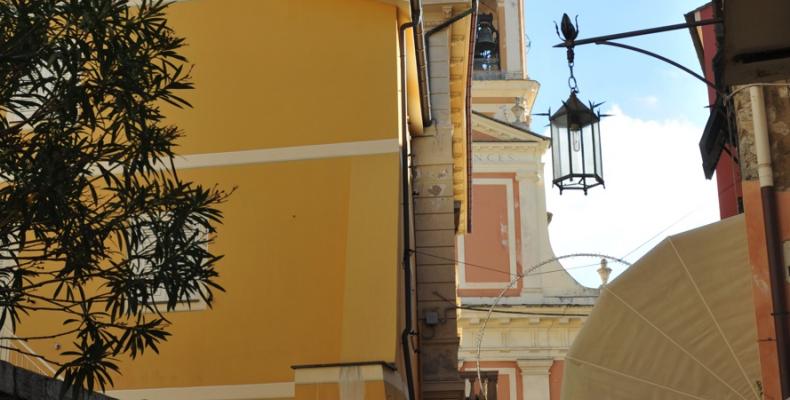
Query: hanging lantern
[[576, 146], [487, 44]]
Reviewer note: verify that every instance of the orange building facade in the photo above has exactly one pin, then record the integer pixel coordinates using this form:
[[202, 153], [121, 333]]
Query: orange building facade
[[759, 177]]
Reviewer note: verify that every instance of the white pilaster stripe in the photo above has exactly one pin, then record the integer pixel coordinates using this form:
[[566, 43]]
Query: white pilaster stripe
[[224, 392], [282, 154], [278, 154], [332, 374]]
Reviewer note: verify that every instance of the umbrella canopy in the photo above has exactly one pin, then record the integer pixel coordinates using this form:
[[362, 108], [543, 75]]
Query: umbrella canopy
[[678, 324]]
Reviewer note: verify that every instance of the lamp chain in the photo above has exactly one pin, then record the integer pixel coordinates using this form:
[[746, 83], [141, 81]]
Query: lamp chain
[[572, 79]]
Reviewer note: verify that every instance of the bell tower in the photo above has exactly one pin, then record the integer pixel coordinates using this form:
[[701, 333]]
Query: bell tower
[[501, 25], [501, 88], [487, 45]]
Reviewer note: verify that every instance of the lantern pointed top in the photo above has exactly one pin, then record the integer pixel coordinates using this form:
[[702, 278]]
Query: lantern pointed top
[[577, 110]]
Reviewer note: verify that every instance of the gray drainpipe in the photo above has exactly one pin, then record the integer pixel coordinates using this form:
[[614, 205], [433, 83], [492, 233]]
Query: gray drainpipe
[[422, 62], [408, 329]]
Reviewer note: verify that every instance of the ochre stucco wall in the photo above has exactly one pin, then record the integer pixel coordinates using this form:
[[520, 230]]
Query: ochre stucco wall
[[311, 247], [288, 73], [304, 284]]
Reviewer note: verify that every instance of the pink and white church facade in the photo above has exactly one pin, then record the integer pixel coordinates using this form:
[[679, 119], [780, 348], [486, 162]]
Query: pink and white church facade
[[536, 321]]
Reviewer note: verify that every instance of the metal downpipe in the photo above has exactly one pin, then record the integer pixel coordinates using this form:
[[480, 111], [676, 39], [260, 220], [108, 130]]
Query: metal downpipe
[[772, 238], [422, 62], [469, 77], [406, 198]]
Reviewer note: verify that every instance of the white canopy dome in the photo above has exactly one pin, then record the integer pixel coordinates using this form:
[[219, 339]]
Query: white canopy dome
[[678, 324]]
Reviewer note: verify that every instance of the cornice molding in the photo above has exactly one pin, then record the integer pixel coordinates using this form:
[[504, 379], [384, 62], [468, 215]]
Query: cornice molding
[[533, 176], [573, 324], [512, 354], [534, 367], [505, 131], [525, 88], [585, 297]]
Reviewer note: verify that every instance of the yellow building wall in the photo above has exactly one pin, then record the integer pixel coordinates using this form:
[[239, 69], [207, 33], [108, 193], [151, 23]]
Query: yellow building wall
[[322, 289], [288, 73], [311, 247], [297, 290]]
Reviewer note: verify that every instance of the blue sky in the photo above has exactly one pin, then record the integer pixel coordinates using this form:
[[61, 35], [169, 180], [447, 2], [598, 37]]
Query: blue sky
[[642, 86], [654, 180]]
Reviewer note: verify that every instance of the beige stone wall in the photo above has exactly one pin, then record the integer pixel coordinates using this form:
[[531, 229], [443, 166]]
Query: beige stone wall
[[439, 180], [777, 104]]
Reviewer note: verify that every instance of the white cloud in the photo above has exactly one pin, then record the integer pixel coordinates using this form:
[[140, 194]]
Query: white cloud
[[647, 101], [654, 179]]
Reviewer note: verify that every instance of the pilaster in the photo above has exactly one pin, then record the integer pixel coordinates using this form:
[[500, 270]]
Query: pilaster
[[511, 39], [531, 253], [535, 379]]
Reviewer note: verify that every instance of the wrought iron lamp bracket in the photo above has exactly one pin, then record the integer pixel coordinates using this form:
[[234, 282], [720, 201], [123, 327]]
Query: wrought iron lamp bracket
[[664, 59], [571, 31]]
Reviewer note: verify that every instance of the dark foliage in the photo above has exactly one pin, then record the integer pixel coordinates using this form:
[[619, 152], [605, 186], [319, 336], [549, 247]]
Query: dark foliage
[[94, 219]]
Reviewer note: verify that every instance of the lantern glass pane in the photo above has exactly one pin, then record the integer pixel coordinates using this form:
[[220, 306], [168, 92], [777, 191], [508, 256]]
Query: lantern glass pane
[[588, 149], [560, 147], [576, 140], [597, 147]]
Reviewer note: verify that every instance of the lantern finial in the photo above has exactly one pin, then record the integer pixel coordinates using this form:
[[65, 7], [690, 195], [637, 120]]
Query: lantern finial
[[569, 33]]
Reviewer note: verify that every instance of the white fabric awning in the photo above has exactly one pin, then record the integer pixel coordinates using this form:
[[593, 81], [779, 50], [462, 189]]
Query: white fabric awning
[[678, 324]]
